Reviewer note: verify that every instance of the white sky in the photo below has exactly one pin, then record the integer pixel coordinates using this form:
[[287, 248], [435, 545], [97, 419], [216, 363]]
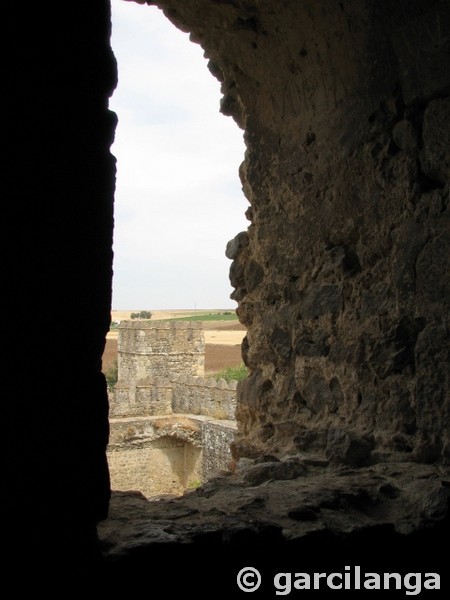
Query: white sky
[[178, 194]]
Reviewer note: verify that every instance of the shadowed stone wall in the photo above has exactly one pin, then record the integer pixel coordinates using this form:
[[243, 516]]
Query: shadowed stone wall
[[341, 277], [58, 207]]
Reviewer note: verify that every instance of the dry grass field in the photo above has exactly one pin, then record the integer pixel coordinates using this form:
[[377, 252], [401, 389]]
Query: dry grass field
[[223, 339]]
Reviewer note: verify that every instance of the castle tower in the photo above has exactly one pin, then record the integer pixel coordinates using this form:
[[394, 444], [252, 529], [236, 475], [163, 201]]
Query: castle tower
[[158, 348]]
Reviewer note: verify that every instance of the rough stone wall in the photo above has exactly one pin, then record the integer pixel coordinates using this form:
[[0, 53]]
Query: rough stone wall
[[153, 470], [217, 437], [341, 277], [175, 394], [199, 396], [159, 348], [155, 456], [167, 454], [151, 396]]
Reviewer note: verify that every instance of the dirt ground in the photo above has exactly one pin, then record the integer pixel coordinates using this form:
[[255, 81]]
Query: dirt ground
[[222, 341], [109, 354], [217, 356]]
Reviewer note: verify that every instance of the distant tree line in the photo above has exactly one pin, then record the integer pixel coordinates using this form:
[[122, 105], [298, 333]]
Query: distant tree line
[[142, 314]]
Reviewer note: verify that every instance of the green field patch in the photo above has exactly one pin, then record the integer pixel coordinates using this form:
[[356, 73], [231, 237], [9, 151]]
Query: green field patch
[[216, 316], [237, 373]]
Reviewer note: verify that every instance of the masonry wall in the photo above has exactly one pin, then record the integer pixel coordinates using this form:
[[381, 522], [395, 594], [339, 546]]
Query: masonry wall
[[175, 394], [152, 396], [155, 455], [166, 466], [217, 437], [151, 348], [342, 275], [167, 454], [199, 396], [172, 430]]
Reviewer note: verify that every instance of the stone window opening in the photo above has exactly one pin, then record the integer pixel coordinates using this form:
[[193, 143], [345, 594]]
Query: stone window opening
[[158, 380], [343, 444]]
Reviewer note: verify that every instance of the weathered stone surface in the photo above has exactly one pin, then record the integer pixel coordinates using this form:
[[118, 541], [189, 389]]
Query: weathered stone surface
[[405, 135], [236, 245], [337, 395], [217, 437], [344, 447], [273, 470], [280, 340], [309, 440], [348, 227], [396, 351], [420, 48], [313, 345], [432, 392], [253, 275], [432, 261], [435, 155], [237, 276], [317, 394], [302, 513], [405, 496], [318, 300]]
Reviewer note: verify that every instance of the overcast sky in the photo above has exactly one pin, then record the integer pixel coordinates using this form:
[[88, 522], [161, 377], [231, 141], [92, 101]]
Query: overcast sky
[[178, 194]]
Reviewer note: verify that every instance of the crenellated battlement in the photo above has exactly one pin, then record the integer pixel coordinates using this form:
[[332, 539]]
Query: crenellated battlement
[[175, 394], [158, 348]]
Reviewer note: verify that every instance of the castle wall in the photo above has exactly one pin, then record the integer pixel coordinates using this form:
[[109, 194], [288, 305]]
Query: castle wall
[[199, 396], [170, 430], [167, 465], [167, 454], [175, 394], [216, 439], [152, 396], [341, 277]]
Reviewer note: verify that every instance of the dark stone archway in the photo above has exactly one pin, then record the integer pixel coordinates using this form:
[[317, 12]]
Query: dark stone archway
[[341, 279]]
